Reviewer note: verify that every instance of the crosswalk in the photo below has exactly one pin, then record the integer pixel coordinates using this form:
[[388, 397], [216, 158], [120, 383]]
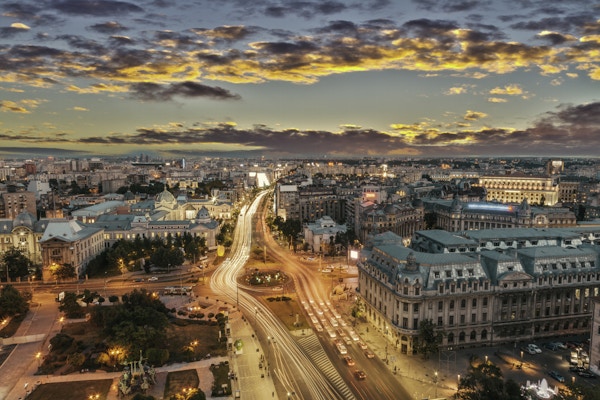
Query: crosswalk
[[313, 348]]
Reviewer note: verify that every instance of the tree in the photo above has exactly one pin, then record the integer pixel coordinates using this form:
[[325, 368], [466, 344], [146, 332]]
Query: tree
[[64, 271], [17, 264], [11, 302], [70, 306], [165, 258], [484, 381], [429, 338]]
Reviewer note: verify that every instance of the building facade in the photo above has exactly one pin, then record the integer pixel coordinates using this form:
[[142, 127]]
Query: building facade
[[477, 299], [455, 215], [515, 187], [69, 242]]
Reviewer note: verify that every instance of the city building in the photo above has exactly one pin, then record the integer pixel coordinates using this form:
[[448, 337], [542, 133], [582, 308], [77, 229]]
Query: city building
[[24, 233], [455, 215], [515, 187], [481, 298], [320, 236], [69, 242], [129, 226]]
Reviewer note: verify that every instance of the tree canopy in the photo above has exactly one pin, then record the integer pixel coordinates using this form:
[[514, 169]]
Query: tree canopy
[[429, 338], [484, 381], [16, 263], [11, 302]]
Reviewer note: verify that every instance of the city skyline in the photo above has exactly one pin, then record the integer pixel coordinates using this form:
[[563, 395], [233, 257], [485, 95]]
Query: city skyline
[[312, 78]]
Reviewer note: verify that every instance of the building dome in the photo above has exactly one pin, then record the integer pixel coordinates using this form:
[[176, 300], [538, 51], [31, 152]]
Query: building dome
[[128, 196], [24, 219], [203, 215], [165, 199]]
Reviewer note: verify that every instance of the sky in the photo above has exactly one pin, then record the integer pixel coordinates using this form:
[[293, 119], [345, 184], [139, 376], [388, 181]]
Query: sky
[[327, 79]]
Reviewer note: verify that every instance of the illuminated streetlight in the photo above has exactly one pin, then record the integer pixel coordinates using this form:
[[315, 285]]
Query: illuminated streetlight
[[435, 380], [38, 356]]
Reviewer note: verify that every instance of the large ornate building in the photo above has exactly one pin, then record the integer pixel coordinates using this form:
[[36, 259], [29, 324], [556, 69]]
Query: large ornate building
[[515, 187], [24, 233], [69, 242], [455, 215], [480, 298]]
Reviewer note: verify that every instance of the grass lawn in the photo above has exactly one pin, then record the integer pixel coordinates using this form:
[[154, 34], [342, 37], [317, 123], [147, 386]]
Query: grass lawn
[[221, 383], [72, 390], [179, 381], [286, 311]]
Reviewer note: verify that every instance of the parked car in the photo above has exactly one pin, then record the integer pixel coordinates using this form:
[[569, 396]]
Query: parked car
[[586, 373], [349, 361], [369, 354], [533, 349], [152, 279], [552, 346], [557, 376]]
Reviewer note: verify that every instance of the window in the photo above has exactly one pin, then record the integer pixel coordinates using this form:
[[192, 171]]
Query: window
[[440, 305], [485, 301], [474, 303], [452, 304], [416, 307]]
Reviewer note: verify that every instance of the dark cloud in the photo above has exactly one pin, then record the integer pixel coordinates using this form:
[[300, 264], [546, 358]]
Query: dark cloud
[[154, 92], [21, 10], [570, 23], [343, 27], [9, 32], [555, 38], [96, 8], [109, 28], [227, 33], [121, 41], [82, 43], [305, 9], [449, 5], [430, 28]]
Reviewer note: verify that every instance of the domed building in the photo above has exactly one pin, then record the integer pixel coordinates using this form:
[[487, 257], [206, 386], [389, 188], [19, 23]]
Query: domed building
[[23, 232]]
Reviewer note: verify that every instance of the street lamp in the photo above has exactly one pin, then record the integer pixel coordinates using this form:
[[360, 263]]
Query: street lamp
[[435, 380], [38, 357]]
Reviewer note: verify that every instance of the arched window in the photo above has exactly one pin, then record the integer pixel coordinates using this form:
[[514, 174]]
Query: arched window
[[473, 335], [484, 334], [461, 337], [451, 338]]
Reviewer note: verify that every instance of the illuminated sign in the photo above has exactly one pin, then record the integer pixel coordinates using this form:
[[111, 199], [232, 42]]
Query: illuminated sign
[[354, 254], [489, 207]]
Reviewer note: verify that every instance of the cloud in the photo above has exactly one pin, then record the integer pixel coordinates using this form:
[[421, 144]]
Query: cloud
[[148, 91], [19, 25], [10, 106], [456, 90], [474, 115], [509, 90], [76, 108], [496, 100], [110, 27], [96, 8]]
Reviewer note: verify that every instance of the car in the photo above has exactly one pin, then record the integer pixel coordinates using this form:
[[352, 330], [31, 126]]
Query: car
[[369, 354], [533, 349], [349, 361], [362, 345], [551, 346], [586, 373], [360, 374], [152, 279], [557, 376]]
